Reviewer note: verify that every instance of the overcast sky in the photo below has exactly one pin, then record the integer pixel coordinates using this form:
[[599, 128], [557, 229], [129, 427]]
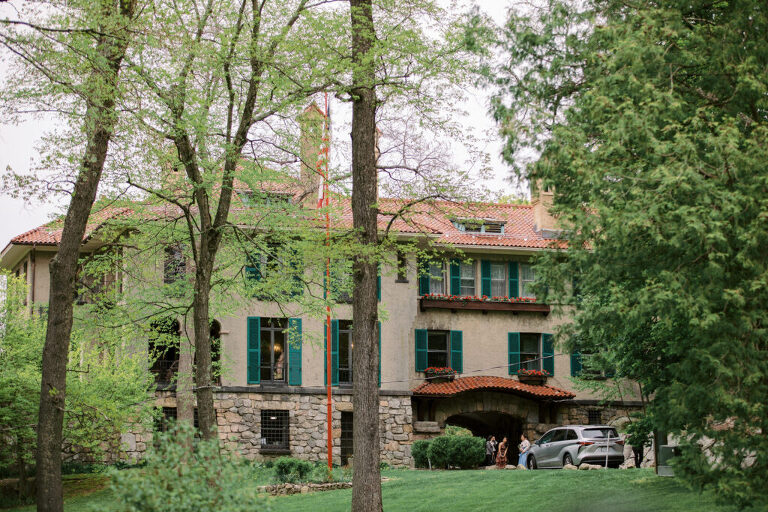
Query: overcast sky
[[17, 151]]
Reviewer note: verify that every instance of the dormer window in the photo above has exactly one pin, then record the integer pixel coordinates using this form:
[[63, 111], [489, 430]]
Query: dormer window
[[250, 199], [482, 226], [246, 197]]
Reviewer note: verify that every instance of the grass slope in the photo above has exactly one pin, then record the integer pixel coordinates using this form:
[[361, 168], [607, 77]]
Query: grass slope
[[475, 491], [525, 491]]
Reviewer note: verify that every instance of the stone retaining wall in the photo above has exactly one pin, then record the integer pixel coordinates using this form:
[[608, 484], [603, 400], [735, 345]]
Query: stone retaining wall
[[239, 422]]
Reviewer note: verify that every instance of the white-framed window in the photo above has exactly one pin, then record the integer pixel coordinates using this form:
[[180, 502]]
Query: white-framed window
[[527, 276], [438, 354], [467, 274], [480, 226], [346, 344], [498, 279], [437, 277], [530, 351]]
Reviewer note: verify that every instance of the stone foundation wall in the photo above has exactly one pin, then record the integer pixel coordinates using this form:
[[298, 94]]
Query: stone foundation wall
[[239, 423]]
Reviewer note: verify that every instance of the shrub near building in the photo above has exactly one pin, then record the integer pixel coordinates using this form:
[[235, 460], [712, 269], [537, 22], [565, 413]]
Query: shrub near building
[[449, 451]]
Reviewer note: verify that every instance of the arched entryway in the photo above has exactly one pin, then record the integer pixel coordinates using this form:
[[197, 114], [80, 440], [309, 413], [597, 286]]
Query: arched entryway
[[491, 423]]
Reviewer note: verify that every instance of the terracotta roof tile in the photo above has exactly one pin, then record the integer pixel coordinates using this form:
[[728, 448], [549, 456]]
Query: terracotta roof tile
[[433, 219], [50, 233], [487, 383]]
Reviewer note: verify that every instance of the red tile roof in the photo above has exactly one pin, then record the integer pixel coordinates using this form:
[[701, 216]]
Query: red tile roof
[[484, 383], [50, 233], [430, 218]]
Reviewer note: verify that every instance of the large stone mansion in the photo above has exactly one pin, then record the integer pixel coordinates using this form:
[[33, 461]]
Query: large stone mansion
[[272, 401]]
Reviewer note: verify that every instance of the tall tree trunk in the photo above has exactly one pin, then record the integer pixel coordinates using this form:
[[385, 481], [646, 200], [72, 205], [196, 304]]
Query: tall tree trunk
[[366, 478], [100, 91], [185, 383], [206, 413]]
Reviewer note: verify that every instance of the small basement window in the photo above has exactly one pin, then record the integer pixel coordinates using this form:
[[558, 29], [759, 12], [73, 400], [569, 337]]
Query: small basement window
[[594, 417], [274, 431]]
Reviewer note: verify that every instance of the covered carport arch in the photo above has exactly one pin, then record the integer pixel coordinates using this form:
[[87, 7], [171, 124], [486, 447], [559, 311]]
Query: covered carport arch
[[488, 406]]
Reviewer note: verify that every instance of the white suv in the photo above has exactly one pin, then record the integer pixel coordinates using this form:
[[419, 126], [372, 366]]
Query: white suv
[[575, 444]]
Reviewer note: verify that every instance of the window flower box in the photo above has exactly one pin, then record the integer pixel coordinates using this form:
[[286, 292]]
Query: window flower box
[[537, 377], [439, 374], [482, 303]]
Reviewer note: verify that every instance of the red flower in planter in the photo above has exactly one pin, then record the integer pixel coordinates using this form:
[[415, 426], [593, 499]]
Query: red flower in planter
[[533, 373]]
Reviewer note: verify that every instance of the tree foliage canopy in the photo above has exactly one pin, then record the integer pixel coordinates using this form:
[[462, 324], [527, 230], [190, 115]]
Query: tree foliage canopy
[[649, 120], [108, 386]]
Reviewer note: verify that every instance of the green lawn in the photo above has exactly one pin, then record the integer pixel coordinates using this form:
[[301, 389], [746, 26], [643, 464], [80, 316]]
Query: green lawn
[[523, 491], [456, 491]]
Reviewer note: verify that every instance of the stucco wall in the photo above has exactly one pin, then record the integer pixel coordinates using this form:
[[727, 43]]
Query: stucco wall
[[484, 336]]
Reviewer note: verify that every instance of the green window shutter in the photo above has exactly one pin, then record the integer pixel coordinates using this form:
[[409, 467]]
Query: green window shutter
[[378, 282], [575, 364], [455, 267], [514, 282], [423, 276], [378, 329], [548, 353], [254, 350], [485, 278], [421, 350], [457, 346], [252, 271], [513, 349], [335, 353], [294, 352]]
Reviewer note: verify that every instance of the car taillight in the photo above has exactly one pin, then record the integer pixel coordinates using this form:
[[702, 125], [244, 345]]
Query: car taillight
[[620, 442], [586, 443]]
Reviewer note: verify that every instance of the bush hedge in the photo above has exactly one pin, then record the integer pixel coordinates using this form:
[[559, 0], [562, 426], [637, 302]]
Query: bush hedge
[[419, 453], [466, 452], [456, 451], [289, 469], [438, 451]]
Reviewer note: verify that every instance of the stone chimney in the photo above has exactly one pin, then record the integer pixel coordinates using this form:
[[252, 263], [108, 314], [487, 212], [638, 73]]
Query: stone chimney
[[541, 199], [310, 143]]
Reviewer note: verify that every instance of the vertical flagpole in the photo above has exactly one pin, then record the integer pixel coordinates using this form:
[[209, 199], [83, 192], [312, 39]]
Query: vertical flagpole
[[329, 340]]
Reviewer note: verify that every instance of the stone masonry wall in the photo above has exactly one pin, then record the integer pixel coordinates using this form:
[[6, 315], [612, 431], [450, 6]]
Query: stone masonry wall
[[239, 422]]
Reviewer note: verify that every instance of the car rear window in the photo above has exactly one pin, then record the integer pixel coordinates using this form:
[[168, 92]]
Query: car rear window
[[596, 433]]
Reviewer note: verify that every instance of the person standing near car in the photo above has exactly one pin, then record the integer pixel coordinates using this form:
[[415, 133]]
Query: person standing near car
[[524, 446], [638, 444], [501, 456]]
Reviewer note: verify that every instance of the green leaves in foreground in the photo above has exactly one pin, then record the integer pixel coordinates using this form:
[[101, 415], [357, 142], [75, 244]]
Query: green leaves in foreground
[[651, 127], [175, 477]]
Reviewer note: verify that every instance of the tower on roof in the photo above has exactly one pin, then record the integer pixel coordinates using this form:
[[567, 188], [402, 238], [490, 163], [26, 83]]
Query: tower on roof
[[310, 141], [541, 199]]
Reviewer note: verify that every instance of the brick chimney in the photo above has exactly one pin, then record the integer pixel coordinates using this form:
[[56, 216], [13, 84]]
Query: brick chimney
[[541, 199], [310, 143]]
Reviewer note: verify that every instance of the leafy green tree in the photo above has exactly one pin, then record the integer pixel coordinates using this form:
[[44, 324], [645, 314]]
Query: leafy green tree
[[67, 58], [650, 123], [211, 86], [108, 387]]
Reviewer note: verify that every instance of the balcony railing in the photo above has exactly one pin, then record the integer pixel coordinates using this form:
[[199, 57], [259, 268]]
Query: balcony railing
[[459, 303]]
